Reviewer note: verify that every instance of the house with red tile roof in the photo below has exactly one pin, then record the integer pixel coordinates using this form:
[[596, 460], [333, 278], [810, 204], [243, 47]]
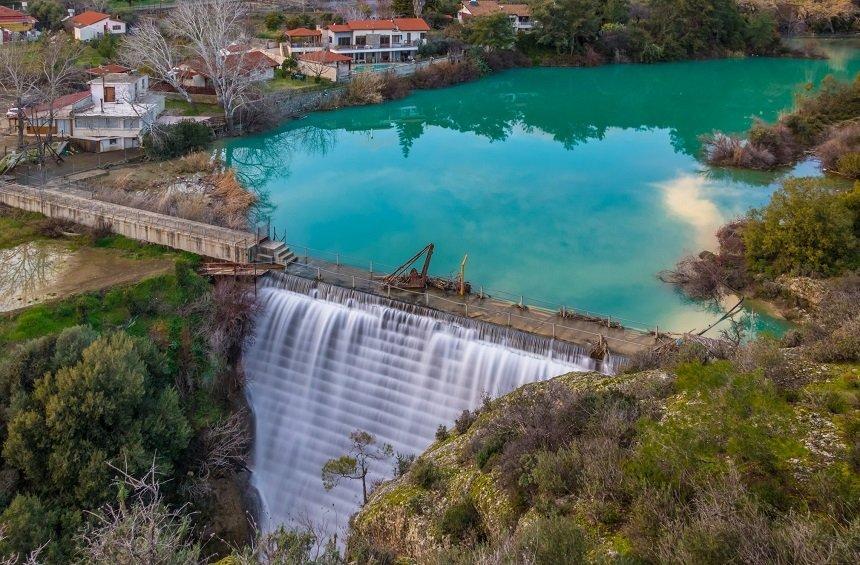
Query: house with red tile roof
[[325, 64], [56, 116], [519, 14], [15, 24], [90, 25], [363, 41]]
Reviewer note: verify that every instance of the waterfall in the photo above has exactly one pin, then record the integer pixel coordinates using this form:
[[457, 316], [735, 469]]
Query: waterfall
[[326, 361]]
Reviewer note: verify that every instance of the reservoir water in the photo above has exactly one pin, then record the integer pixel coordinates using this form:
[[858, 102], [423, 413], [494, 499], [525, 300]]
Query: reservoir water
[[575, 186]]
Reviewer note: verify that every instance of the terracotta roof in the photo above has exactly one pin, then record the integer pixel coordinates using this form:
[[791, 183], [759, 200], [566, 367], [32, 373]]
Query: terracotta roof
[[396, 24], [302, 32], [411, 24], [324, 57], [110, 68], [8, 15], [487, 7], [61, 102], [239, 47], [88, 18], [255, 60]]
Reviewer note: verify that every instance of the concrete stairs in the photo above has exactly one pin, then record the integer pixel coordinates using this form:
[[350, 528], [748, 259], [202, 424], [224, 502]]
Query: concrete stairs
[[277, 252]]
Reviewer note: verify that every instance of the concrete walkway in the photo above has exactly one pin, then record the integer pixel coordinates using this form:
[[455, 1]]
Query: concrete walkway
[[149, 227]]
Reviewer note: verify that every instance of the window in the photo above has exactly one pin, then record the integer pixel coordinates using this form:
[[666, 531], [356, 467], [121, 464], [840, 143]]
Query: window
[[116, 27], [361, 40], [112, 141], [343, 40], [396, 38]]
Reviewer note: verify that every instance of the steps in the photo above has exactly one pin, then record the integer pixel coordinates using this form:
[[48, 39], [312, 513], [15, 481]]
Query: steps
[[277, 252]]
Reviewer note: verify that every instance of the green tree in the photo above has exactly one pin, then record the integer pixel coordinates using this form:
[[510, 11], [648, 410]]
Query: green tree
[[49, 13], [491, 32], [81, 418], [356, 465], [567, 25], [686, 28], [403, 8], [808, 228], [274, 20]]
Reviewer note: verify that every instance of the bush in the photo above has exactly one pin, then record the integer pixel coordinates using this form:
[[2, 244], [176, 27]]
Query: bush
[[365, 88], [441, 433], [765, 354], [461, 521], [848, 165], [806, 229], [175, 140], [842, 345], [464, 421], [553, 540], [425, 474]]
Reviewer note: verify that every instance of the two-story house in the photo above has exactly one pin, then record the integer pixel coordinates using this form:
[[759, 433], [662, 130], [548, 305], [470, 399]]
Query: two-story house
[[123, 110], [90, 25], [520, 15], [364, 41]]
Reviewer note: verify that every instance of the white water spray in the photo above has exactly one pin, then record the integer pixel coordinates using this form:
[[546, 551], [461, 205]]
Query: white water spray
[[327, 361]]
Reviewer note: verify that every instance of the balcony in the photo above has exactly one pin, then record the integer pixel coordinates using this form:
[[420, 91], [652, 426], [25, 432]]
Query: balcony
[[380, 47]]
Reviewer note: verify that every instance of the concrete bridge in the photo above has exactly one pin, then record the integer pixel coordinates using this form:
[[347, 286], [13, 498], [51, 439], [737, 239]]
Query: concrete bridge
[[150, 227]]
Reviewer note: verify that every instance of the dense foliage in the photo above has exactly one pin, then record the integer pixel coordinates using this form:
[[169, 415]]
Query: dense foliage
[[114, 382], [650, 31], [810, 227], [176, 140]]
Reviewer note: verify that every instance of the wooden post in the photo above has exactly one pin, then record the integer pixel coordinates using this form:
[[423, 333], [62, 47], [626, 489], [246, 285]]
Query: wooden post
[[353, 282], [337, 259], [553, 330]]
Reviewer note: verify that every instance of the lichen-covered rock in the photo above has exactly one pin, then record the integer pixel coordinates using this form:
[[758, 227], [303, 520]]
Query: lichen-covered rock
[[402, 518]]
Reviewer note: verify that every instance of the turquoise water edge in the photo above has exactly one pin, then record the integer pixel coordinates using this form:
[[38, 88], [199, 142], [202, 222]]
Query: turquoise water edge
[[574, 186]]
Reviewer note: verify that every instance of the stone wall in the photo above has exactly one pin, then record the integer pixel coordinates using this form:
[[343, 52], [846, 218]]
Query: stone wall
[[148, 227]]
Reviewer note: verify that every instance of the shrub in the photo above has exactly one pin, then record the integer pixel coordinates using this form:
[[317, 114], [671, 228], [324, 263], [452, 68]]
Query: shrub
[[806, 229], [365, 88], [553, 540], [441, 433], [71, 344], [461, 521], [842, 345], [175, 140], [425, 474], [765, 354], [841, 139], [27, 363], [848, 165], [464, 421], [402, 463]]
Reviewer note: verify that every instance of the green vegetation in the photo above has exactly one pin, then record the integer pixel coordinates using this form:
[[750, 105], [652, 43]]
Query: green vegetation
[[176, 140], [50, 13], [17, 226], [808, 228], [705, 462], [185, 108]]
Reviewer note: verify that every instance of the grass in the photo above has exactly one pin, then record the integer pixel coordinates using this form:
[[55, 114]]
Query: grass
[[193, 109], [89, 57], [17, 227], [289, 83]]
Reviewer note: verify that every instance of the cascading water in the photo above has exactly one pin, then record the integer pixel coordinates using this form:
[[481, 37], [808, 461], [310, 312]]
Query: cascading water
[[326, 361]]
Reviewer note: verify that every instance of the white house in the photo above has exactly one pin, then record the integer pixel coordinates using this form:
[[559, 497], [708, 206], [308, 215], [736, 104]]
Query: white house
[[56, 117], [519, 14], [91, 25], [364, 41], [325, 64], [122, 110]]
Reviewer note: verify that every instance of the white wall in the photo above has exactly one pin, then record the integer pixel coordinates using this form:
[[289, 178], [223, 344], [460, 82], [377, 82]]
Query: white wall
[[97, 29]]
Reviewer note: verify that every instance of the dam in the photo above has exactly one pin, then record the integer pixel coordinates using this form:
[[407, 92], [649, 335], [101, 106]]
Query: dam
[[327, 360]]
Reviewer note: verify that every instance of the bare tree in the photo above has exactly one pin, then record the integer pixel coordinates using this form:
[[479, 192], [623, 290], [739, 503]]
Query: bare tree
[[141, 528], [148, 47], [209, 28], [18, 78], [365, 448], [57, 72]]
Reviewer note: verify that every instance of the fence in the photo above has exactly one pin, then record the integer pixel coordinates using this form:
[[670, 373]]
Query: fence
[[525, 316]]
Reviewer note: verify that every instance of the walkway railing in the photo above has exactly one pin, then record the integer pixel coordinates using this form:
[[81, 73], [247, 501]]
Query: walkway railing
[[526, 317]]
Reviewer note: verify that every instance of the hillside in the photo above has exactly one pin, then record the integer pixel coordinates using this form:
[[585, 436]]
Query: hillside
[[698, 463]]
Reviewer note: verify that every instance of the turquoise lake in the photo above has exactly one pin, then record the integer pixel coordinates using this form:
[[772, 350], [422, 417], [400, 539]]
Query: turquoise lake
[[572, 186]]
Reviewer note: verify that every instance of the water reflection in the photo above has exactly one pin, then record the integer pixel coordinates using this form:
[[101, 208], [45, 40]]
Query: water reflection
[[26, 271]]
